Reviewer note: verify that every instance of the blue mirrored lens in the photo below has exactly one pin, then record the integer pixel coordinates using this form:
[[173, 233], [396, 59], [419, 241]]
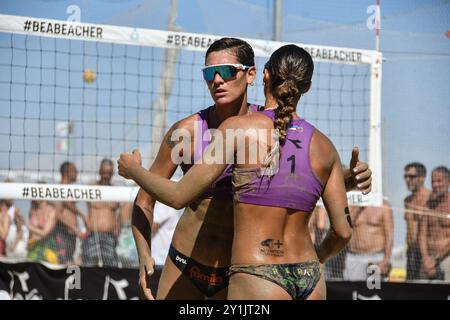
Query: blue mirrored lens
[[225, 72]]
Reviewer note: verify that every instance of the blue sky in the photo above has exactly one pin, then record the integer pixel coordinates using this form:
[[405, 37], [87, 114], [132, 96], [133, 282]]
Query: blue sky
[[416, 73]]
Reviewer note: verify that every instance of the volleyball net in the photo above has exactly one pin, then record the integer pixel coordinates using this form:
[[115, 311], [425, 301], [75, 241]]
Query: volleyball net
[[82, 93]]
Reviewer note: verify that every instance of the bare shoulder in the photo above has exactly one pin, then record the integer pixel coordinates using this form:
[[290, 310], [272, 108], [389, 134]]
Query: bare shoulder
[[255, 120], [322, 150], [187, 123], [387, 205]]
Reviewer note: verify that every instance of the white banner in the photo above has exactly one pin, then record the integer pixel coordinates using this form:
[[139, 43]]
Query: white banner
[[168, 39], [67, 192]]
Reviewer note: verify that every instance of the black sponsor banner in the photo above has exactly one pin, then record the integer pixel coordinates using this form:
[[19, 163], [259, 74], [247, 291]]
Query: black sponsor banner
[[359, 290], [34, 281]]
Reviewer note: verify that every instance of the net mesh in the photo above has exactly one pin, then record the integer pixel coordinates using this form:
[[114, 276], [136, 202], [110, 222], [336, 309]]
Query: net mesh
[[84, 101]]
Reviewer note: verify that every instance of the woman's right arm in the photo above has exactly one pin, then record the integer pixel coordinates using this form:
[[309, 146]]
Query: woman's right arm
[[142, 212], [206, 170]]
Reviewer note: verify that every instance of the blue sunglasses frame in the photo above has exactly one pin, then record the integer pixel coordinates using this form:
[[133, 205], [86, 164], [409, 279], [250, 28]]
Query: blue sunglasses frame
[[226, 70]]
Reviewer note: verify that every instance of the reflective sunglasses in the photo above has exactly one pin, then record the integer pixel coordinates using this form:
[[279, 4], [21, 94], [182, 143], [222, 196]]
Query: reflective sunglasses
[[226, 71]]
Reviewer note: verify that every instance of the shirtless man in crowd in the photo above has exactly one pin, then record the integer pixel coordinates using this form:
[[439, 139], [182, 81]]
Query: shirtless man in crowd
[[99, 246], [371, 243], [66, 229], [434, 229], [415, 206]]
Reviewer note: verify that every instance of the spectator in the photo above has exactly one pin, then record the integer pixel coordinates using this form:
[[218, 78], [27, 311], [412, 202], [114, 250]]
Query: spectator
[[126, 247], [12, 210], [17, 239], [99, 246], [42, 239], [5, 222], [66, 227], [415, 206], [434, 228], [371, 243]]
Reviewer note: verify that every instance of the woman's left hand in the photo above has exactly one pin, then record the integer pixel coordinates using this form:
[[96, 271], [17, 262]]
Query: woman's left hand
[[127, 162], [360, 175]]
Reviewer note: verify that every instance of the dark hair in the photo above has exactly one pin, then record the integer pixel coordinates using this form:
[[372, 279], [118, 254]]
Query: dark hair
[[237, 47], [106, 161], [291, 69], [65, 167], [444, 170], [420, 168]]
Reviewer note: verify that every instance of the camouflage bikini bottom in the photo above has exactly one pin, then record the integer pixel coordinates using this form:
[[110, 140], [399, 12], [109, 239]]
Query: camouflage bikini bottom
[[298, 279]]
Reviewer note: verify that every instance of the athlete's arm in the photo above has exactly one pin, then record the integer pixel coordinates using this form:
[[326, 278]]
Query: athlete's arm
[[142, 212], [335, 201], [194, 182], [174, 194]]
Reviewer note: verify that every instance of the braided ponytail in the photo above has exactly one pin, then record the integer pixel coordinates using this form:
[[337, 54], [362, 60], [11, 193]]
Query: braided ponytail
[[285, 95], [291, 69]]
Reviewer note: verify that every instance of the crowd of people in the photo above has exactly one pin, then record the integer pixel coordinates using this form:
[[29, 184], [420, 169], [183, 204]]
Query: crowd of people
[[53, 233], [61, 233], [426, 213]]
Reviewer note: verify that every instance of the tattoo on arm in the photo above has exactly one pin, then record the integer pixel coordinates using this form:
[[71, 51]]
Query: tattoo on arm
[[347, 214], [169, 140], [271, 247]]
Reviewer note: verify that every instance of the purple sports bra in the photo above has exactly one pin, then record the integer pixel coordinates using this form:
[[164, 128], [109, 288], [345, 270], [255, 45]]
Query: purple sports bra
[[294, 185], [222, 186]]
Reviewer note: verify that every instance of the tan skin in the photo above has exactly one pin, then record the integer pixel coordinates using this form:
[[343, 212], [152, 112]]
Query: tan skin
[[19, 221], [5, 221], [373, 230], [415, 205], [67, 211], [434, 232], [46, 217], [102, 215], [126, 209], [253, 223], [318, 224], [203, 232]]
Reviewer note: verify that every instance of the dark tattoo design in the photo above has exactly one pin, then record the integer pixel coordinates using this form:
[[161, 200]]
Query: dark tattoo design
[[347, 214], [271, 247], [169, 140]]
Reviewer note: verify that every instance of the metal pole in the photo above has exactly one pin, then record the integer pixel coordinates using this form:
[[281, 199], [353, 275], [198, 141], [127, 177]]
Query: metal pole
[[277, 21], [165, 87], [377, 22]]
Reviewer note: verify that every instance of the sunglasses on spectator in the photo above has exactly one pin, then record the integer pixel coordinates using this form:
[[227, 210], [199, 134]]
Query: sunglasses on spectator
[[410, 176], [226, 71]]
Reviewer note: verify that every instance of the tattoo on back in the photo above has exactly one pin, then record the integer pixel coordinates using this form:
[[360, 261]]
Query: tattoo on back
[[271, 247], [347, 214]]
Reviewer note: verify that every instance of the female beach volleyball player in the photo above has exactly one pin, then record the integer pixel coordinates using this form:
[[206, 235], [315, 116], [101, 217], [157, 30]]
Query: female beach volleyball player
[[200, 254]]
